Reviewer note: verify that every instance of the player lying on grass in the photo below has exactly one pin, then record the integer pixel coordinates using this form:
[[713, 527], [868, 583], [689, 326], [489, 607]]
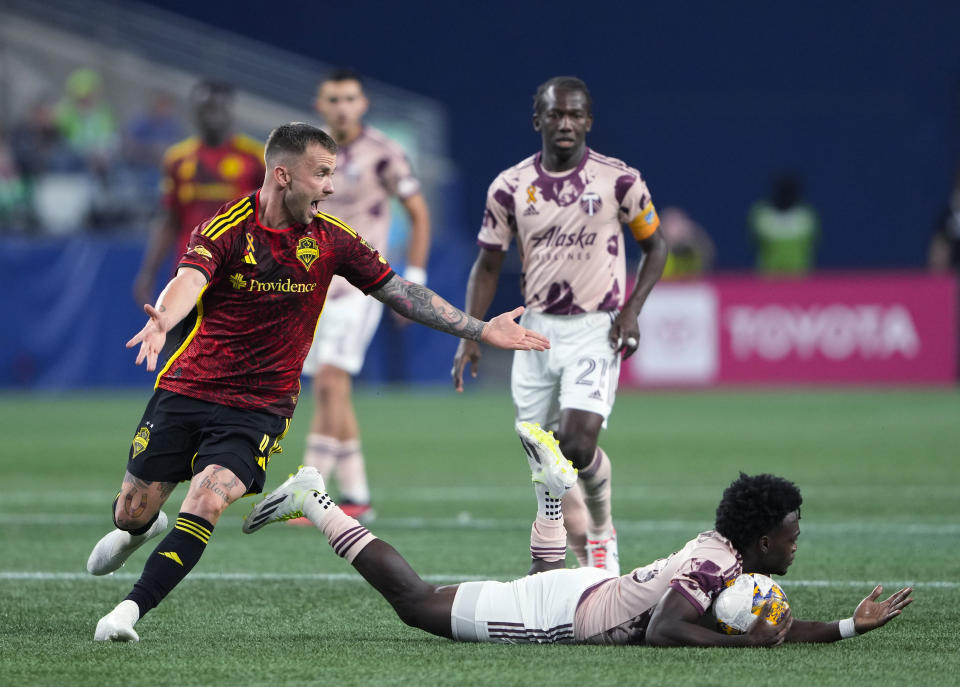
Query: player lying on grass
[[663, 604], [257, 276]]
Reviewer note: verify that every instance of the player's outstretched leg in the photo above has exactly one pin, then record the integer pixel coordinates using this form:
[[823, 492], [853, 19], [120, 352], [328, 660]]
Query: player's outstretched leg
[[553, 475], [113, 550], [416, 602]]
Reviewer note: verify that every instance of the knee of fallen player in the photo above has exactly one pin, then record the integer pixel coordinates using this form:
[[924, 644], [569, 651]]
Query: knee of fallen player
[[412, 606]]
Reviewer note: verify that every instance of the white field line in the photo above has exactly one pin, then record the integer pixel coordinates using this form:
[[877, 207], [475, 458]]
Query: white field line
[[467, 521], [520, 493], [440, 578]]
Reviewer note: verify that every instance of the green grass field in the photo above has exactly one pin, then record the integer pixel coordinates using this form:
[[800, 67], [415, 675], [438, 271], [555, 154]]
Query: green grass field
[[879, 472]]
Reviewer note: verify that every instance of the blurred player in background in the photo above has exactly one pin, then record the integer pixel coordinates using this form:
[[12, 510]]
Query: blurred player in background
[[200, 174], [258, 274], [372, 169], [566, 206], [665, 603]]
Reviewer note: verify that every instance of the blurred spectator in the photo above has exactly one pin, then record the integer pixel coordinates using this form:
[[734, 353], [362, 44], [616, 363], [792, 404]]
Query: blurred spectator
[[56, 177], [200, 174], [38, 146], [692, 251], [784, 228], [945, 243], [150, 132], [85, 119], [13, 192], [148, 135]]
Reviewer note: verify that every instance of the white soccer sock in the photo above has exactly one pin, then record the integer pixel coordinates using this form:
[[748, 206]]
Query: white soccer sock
[[347, 537], [321, 453], [317, 508], [595, 479], [352, 473], [548, 507]]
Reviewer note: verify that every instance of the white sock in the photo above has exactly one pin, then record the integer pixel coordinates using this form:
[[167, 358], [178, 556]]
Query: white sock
[[548, 507], [321, 453], [352, 473], [317, 508]]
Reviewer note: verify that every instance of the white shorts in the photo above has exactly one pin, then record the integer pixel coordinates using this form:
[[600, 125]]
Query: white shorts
[[344, 332], [579, 371], [535, 609]]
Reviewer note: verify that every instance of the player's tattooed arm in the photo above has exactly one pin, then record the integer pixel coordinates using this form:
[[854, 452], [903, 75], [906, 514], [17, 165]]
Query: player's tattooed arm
[[422, 305]]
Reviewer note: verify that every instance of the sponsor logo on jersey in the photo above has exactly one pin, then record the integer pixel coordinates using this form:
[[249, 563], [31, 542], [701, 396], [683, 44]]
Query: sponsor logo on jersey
[[554, 237], [307, 251], [238, 282], [140, 441], [202, 252], [590, 203], [249, 251]]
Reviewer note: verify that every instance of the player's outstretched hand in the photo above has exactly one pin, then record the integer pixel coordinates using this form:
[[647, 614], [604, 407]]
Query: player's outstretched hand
[[765, 633], [468, 352], [871, 614], [151, 338], [503, 332]]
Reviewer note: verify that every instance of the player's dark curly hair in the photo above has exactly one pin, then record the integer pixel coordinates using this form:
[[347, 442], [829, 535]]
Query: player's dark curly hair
[[292, 140], [753, 505], [566, 83]]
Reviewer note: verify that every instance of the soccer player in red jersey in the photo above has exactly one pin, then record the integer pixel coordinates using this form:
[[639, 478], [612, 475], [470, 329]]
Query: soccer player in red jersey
[[257, 274], [200, 174], [664, 603]]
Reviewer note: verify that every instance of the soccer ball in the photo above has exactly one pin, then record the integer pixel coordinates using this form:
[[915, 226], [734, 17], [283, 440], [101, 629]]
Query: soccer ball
[[737, 607]]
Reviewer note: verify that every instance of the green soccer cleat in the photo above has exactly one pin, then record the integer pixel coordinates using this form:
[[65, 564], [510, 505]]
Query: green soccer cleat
[[547, 463]]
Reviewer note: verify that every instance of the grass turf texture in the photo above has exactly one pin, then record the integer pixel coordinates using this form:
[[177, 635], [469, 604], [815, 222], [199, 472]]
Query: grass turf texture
[[878, 472]]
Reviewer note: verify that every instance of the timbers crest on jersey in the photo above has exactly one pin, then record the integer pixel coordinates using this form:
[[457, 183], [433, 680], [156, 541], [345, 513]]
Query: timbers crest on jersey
[[307, 251]]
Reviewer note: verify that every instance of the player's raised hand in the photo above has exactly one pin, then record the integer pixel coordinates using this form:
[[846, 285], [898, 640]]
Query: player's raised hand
[[765, 633], [503, 332], [468, 352], [871, 614], [151, 338]]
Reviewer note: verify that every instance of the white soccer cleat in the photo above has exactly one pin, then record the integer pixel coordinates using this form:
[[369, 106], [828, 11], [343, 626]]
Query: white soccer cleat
[[117, 625], [547, 463], [603, 553], [113, 550], [286, 501]]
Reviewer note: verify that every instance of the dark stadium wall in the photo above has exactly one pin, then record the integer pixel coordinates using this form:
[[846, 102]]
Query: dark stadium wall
[[707, 99]]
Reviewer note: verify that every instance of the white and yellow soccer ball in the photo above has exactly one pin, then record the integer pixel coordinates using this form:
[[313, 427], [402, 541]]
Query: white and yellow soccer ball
[[737, 607]]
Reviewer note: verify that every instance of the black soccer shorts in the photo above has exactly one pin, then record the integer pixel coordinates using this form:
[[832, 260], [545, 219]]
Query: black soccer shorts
[[179, 436]]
